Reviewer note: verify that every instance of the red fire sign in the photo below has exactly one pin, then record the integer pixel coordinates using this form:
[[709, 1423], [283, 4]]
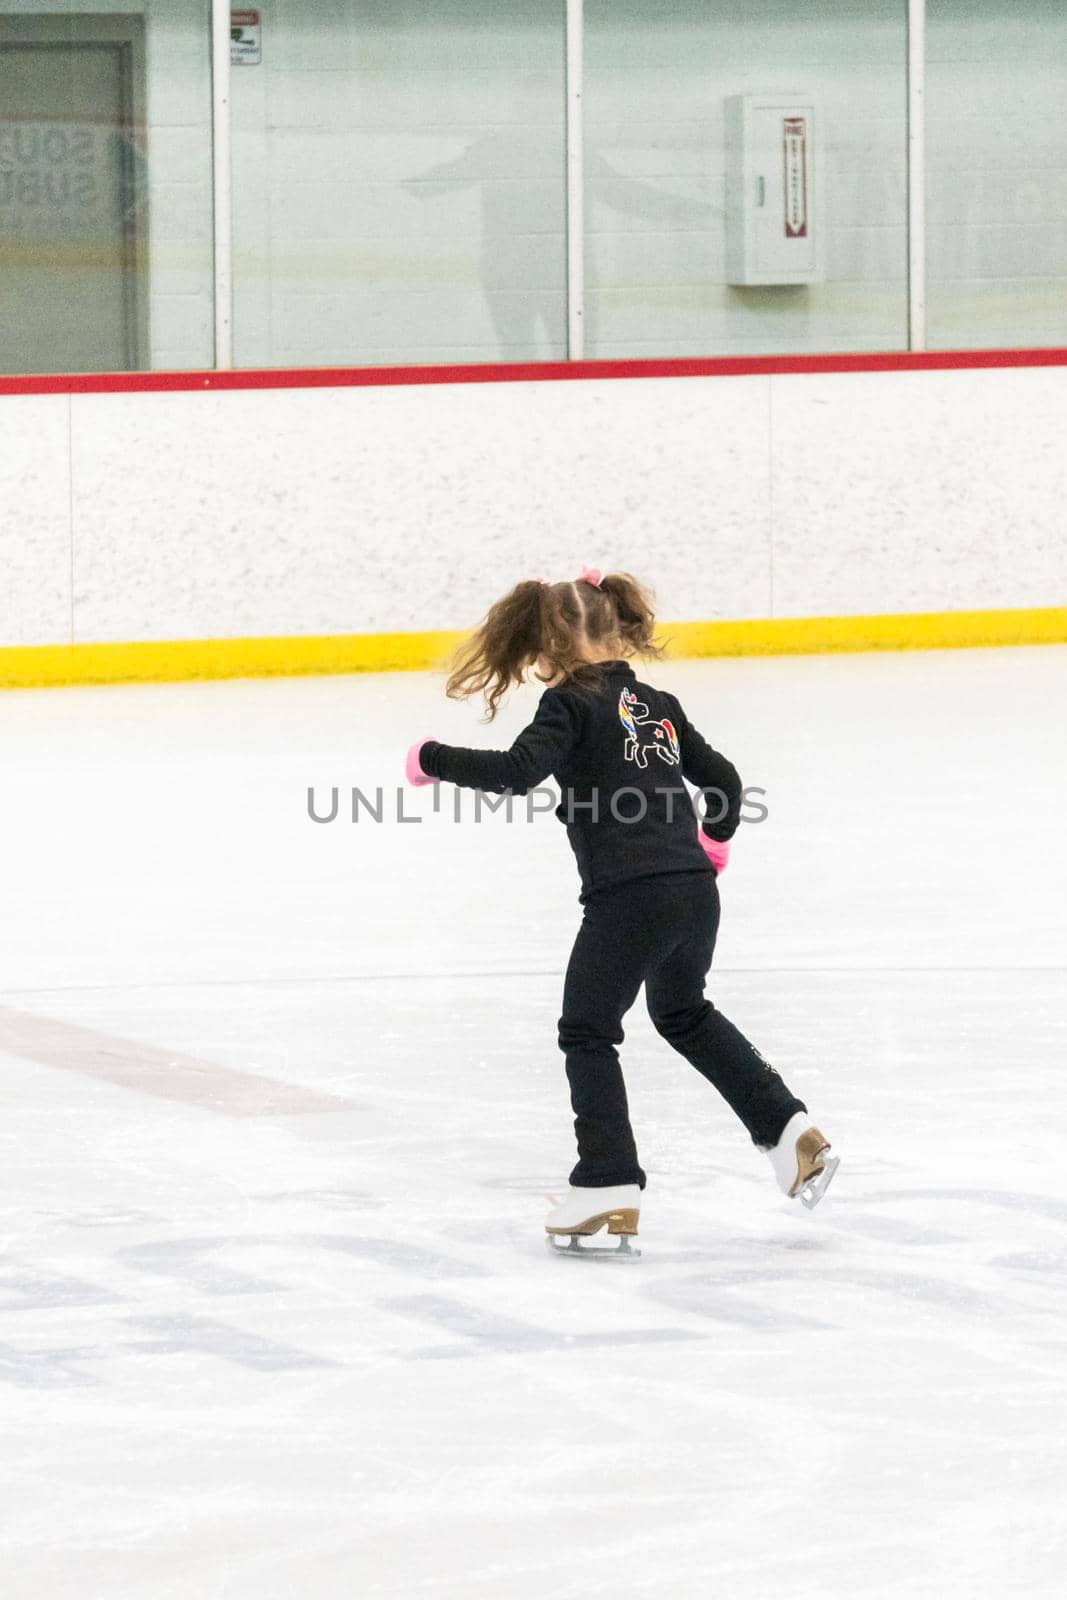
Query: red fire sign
[[795, 141]]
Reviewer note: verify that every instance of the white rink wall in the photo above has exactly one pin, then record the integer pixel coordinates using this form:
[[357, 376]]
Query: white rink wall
[[128, 517]]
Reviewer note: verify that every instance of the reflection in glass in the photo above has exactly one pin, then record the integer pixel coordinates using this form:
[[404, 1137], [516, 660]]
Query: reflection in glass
[[399, 185], [105, 190], [660, 76], [996, 173]]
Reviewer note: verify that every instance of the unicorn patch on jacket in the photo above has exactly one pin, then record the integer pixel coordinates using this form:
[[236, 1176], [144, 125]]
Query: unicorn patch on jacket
[[643, 734]]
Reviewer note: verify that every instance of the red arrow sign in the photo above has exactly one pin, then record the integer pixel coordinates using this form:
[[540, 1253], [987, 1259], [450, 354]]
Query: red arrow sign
[[795, 141]]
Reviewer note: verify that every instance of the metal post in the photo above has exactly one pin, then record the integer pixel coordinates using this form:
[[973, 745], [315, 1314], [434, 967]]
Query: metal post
[[575, 185], [917, 174], [223, 180]]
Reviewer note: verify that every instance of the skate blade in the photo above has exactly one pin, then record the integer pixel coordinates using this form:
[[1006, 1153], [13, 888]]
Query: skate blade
[[623, 1251], [815, 1187]]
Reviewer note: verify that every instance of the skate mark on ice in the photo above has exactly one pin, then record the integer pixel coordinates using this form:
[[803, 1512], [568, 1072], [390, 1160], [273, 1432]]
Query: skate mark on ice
[[901, 1287], [1002, 1199], [96, 1216], [333, 1199], [48, 1369], [413, 1258], [149, 1069], [1039, 1263], [40, 1290], [893, 1231], [537, 1186], [188, 1260], [487, 1330], [183, 1334], [703, 1297]]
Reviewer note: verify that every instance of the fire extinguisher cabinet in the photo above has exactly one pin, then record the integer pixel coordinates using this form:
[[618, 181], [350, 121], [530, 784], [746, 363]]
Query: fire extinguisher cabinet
[[774, 221]]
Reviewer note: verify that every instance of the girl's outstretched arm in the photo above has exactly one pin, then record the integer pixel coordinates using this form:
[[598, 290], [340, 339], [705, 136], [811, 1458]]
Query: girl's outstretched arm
[[539, 750], [717, 778]]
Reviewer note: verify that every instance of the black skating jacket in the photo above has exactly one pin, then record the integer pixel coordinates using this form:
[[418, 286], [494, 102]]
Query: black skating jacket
[[619, 754]]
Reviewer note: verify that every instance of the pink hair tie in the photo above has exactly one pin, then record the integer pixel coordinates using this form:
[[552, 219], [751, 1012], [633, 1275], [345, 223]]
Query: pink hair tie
[[589, 575]]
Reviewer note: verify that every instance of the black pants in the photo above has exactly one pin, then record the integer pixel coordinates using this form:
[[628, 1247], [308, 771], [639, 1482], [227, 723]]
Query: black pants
[[659, 932]]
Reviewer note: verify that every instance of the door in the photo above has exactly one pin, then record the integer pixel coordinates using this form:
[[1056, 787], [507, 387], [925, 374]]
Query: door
[[73, 211], [783, 146]]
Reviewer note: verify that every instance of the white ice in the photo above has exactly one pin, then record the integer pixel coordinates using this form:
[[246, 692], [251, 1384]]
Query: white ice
[[282, 1107]]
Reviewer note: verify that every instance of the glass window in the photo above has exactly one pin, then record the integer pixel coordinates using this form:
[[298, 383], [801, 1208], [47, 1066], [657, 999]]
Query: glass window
[[746, 186], [105, 188], [996, 173], [399, 185]]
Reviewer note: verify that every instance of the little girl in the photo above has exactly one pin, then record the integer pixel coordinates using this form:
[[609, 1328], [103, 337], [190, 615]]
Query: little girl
[[620, 751]]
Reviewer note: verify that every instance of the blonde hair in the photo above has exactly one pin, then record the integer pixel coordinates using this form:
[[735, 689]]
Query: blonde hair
[[555, 621]]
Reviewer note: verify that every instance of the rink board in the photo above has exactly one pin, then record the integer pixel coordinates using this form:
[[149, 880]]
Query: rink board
[[170, 661], [188, 525]]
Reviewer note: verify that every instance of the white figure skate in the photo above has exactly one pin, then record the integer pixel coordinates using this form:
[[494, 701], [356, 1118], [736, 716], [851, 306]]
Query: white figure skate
[[585, 1211], [801, 1165]]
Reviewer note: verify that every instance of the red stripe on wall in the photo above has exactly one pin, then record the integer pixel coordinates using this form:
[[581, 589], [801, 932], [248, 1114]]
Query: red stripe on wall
[[524, 372]]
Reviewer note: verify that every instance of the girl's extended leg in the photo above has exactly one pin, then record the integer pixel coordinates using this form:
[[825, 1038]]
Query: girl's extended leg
[[707, 1039]]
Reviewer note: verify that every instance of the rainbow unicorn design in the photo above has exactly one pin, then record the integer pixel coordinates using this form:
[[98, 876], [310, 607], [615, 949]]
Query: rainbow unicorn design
[[643, 735]]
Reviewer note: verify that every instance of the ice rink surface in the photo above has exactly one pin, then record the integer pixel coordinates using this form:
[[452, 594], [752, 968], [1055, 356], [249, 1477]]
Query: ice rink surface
[[281, 1108]]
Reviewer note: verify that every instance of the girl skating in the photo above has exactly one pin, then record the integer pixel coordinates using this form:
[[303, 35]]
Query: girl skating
[[621, 752]]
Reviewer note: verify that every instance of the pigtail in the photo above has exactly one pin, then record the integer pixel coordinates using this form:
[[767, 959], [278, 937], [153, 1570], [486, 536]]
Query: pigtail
[[549, 625], [501, 649], [632, 604]]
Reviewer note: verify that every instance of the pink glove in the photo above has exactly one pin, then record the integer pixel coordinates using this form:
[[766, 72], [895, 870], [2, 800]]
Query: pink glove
[[716, 850], [413, 766]]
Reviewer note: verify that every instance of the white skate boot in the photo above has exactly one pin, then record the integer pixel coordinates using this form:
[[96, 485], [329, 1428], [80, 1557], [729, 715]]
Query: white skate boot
[[586, 1211], [800, 1162]]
